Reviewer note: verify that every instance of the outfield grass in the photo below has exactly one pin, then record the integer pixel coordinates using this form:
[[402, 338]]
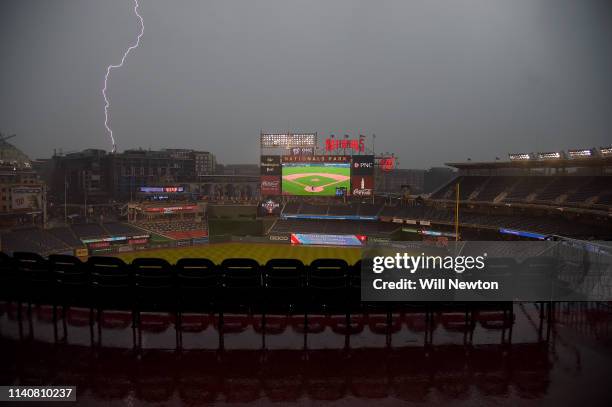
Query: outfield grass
[[258, 251]]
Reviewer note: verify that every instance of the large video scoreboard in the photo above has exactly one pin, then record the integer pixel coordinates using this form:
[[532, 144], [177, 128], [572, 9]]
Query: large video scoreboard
[[317, 175]]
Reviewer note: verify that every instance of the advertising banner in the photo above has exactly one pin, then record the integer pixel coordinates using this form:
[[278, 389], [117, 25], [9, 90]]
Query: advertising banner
[[82, 252], [279, 238], [270, 185], [172, 209], [330, 240], [270, 165], [29, 198], [363, 165], [362, 185], [153, 190]]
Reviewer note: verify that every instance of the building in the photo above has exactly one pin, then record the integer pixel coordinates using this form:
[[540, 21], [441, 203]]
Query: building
[[81, 177], [95, 176], [237, 169], [22, 194]]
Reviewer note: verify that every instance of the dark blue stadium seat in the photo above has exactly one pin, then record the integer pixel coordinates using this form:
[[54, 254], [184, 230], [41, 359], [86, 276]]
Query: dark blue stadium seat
[[154, 284], [35, 275], [241, 284], [327, 284], [283, 282], [9, 279], [198, 284], [111, 283], [72, 280]]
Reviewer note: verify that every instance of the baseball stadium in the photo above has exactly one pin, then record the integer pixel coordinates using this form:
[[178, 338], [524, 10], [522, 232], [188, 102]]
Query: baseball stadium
[[334, 203], [253, 284]]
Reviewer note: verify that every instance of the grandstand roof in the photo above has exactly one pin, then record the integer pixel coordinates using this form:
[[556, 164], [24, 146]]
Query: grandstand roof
[[556, 163]]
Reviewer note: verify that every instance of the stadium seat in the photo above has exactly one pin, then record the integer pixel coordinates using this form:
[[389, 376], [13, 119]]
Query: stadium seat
[[111, 283], [154, 283], [72, 280], [354, 286], [36, 278], [241, 284], [283, 282], [327, 284], [198, 283], [9, 279]]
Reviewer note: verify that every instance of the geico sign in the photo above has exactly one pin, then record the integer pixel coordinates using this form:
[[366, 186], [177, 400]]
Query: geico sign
[[279, 238], [269, 184], [362, 192]]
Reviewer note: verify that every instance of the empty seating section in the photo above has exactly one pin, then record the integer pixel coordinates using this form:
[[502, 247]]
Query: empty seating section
[[85, 230], [341, 210], [310, 209], [13, 241], [333, 209], [349, 227], [65, 239], [175, 229], [468, 185], [494, 187], [446, 192], [34, 240], [605, 199], [559, 186], [590, 189], [366, 209], [291, 207], [116, 228], [539, 224], [66, 235], [539, 189]]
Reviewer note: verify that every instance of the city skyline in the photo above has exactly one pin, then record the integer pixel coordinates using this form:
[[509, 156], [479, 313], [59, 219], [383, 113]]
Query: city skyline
[[435, 82]]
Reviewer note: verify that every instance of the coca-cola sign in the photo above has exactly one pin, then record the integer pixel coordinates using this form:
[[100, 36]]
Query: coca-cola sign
[[270, 185]]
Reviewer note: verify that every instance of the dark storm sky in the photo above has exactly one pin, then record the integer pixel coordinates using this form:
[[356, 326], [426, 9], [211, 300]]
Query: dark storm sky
[[436, 80]]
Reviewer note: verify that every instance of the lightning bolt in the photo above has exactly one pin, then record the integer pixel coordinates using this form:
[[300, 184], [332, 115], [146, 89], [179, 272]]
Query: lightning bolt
[[111, 67]]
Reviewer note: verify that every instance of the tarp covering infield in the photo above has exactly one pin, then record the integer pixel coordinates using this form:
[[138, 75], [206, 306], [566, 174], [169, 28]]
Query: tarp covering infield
[[487, 271]]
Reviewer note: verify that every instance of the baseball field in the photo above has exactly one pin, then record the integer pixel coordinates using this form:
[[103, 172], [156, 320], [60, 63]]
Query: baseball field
[[315, 179], [261, 252]]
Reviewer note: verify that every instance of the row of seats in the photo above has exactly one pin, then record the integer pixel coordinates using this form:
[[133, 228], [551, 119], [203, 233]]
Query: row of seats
[[370, 228], [333, 209], [409, 375], [548, 225], [199, 284], [150, 283], [167, 227], [570, 190], [62, 239]]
